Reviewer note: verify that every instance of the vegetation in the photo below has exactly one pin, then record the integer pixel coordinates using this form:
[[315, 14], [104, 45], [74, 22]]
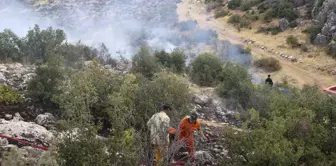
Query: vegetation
[[239, 21], [234, 4], [205, 69], [269, 64], [295, 128], [292, 41], [221, 12], [9, 96], [313, 31], [294, 131]]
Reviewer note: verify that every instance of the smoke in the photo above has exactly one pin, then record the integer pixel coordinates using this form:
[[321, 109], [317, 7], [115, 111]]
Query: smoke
[[122, 25]]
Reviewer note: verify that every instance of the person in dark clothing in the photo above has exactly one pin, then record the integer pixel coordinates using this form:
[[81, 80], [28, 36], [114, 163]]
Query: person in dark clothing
[[269, 80]]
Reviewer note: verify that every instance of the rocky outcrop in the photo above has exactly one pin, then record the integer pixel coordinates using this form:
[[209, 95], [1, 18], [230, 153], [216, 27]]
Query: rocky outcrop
[[25, 130], [213, 109], [283, 24], [47, 120], [16, 75], [321, 40]]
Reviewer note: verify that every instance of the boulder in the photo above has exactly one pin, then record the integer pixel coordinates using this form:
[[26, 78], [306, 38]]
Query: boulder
[[283, 24], [321, 40], [25, 130], [8, 116], [45, 119], [201, 99]]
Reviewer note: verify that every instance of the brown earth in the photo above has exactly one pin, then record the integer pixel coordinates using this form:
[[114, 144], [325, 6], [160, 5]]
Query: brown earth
[[314, 67]]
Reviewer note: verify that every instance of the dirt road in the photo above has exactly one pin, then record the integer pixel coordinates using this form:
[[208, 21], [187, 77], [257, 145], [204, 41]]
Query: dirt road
[[298, 76]]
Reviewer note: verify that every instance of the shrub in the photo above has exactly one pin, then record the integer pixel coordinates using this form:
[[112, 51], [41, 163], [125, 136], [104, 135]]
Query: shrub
[[221, 12], [268, 15], [178, 60], [48, 77], [213, 5], [247, 50], [143, 62], [11, 45], [304, 48], [269, 64], [235, 19], [292, 41], [9, 96], [165, 88], [234, 4], [312, 31], [205, 69], [235, 82], [174, 61], [293, 24]]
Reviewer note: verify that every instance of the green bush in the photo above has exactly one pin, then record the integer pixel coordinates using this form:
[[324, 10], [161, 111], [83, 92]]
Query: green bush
[[235, 82], [9, 96], [293, 24], [301, 119], [214, 5], [312, 31], [47, 80], [11, 45], [235, 19], [304, 48], [174, 61], [269, 64], [205, 69], [143, 62], [234, 4], [247, 50], [292, 41], [221, 12]]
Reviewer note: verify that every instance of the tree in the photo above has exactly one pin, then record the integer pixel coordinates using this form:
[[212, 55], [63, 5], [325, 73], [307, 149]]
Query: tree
[[38, 43], [10, 46], [178, 60], [46, 83], [235, 82], [143, 62], [205, 69]]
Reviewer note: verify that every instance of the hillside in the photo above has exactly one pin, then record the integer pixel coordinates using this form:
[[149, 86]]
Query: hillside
[[66, 102], [310, 64]]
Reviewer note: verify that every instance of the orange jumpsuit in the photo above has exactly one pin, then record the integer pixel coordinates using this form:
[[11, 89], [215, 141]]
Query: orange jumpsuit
[[186, 134]]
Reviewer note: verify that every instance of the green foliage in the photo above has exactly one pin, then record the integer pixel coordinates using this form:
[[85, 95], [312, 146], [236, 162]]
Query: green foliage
[[235, 19], [292, 41], [273, 30], [312, 32], [9, 96], [205, 69], [247, 50], [174, 61], [143, 62], [165, 88], [221, 12], [46, 82], [269, 64], [12, 158], [40, 42], [247, 4], [214, 4], [234, 4], [239, 21], [235, 83], [10, 46], [295, 130]]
